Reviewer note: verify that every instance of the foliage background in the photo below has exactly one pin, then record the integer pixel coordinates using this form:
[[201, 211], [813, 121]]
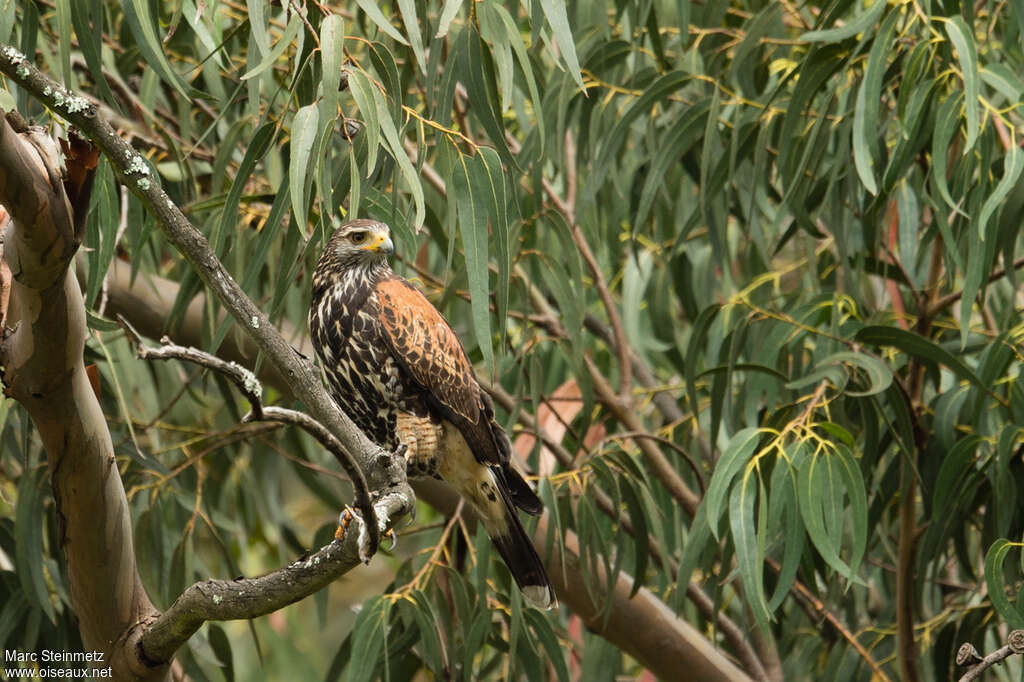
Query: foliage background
[[806, 220]]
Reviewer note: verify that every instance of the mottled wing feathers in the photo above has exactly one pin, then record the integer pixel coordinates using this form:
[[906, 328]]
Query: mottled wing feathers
[[428, 348]]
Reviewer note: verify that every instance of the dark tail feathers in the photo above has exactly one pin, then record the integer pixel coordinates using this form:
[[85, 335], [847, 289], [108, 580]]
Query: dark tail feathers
[[519, 491], [516, 548]]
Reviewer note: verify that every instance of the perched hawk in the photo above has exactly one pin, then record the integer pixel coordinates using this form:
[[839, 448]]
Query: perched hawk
[[397, 368]]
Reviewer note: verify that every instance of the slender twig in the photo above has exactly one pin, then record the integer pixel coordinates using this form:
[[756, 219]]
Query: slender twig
[[940, 304], [659, 464], [621, 435], [568, 211], [804, 594], [250, 387], [968, 655]]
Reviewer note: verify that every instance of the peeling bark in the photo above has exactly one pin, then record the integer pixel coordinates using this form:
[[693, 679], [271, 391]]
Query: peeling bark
[[41, 358]]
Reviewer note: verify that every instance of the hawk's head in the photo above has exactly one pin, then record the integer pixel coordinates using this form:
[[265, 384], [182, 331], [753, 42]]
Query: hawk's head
[[359, 242], [359, 248]]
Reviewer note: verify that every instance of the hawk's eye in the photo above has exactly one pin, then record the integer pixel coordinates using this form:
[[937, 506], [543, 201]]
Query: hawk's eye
[[358, 237]]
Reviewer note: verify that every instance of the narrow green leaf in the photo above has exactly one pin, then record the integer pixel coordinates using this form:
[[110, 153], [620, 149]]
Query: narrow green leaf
[[367, 99], [290, 32], [545, 636], [952, 487], [405, 167], [451, 8], [819, 493], [407, 8], [784, 499], [473, 229], [29, 518], [1003, 79], [8, 11], [675, 143], [947, 124], [212, 45], [865, 117], [813, 72], [101, 230], [918, 346], [477, 72], [332, 55], [515, 39], [100, 324], [142, 26], [744, 536], [254, 151], [850, 471], [858, 24], [355, 184], [963, 40], [258, 24], [372, 10], [1013, 164], [555, 12], [369, 638], [494, 191], [305, 126], [430, 639], [909, 224], [64, 46], [641, 539], [221, 646], [879, 374], [996, 583], [737, 453], [611, 143], [697, 341]]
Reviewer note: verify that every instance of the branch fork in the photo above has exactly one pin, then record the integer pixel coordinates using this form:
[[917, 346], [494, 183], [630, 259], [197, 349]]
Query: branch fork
[[371, 524]]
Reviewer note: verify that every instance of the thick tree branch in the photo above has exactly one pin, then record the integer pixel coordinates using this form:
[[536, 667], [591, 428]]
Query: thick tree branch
[[251, 597], [41, 346]]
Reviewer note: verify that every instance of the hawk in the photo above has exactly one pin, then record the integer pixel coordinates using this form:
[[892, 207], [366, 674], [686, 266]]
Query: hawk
[[395, 366]]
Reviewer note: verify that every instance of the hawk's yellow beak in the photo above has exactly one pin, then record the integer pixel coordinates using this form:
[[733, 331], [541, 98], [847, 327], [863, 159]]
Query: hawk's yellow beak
[[380, 242]]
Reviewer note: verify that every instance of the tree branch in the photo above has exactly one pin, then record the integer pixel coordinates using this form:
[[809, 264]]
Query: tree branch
[[968, 655], [660, 465], [246, 598], [250, 387], [940, 304], [146, 303], [41, 355], [134, 171]]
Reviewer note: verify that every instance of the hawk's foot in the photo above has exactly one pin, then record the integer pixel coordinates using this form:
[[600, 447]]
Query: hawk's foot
[[350, 515]]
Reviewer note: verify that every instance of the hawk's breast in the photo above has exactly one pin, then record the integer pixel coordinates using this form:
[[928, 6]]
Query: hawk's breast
[[365, 379]]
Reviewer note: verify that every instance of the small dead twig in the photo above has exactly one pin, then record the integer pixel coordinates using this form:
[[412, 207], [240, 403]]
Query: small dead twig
[[968, 655], [250, 387]]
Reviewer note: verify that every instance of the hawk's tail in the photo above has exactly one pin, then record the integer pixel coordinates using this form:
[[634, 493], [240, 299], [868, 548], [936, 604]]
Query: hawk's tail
[[516, 548]]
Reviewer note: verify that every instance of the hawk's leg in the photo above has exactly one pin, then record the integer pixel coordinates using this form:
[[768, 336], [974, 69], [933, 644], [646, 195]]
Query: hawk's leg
[[420, 436]]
